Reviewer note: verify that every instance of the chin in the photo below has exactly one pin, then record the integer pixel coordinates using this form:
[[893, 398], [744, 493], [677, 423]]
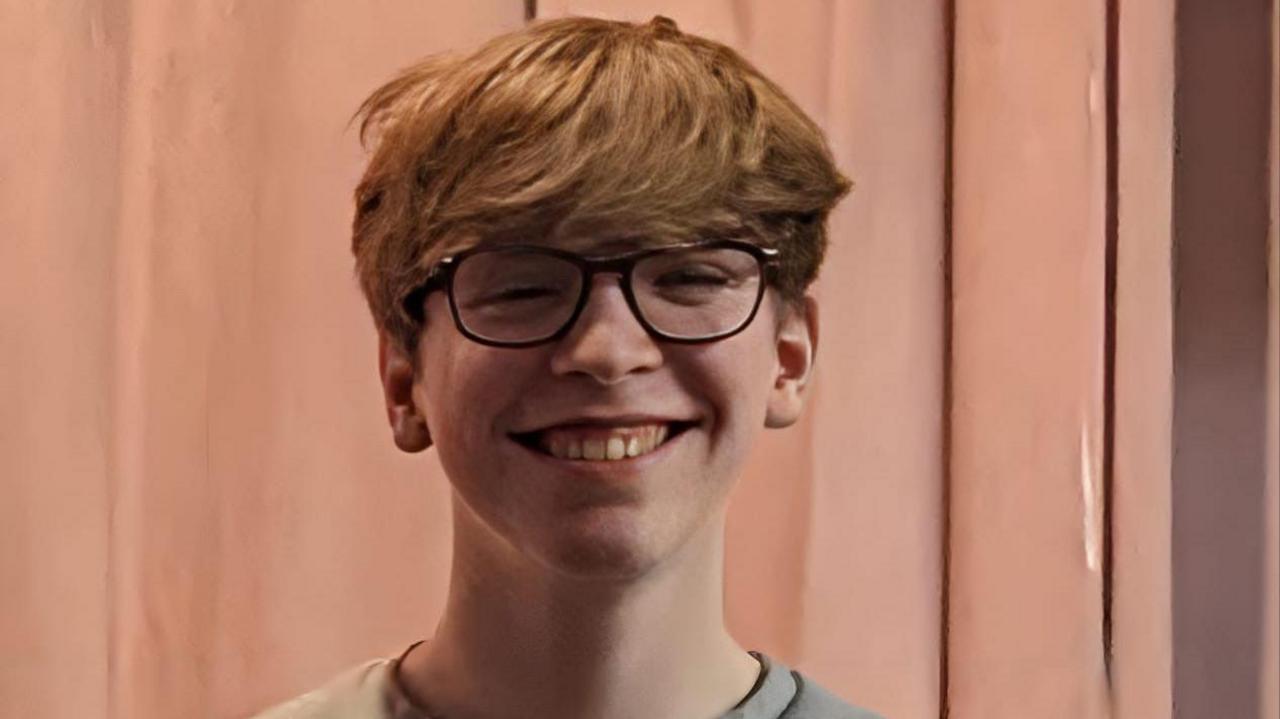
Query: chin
[[601, 549]]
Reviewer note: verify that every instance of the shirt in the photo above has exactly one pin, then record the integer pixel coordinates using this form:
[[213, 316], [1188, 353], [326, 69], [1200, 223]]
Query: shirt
[[372, 690]]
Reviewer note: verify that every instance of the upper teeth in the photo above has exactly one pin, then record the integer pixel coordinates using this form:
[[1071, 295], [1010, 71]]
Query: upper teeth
[[603, 444]]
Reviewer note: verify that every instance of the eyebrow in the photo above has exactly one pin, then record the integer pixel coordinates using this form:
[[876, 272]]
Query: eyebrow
[[586, 245], [620, 245]]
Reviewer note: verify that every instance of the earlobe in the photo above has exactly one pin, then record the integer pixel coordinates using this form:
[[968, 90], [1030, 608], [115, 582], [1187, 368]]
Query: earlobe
[[411, 433], [408, 426], [797, 345]]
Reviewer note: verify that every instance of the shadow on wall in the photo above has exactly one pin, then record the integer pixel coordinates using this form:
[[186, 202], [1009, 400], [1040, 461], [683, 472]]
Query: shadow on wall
[[1221, 214]]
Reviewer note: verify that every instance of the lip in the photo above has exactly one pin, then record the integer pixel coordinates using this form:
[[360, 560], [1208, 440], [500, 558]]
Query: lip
[[628, 420]]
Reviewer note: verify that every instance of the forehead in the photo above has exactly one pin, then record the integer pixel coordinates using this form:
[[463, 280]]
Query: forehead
[[588, 244], [594, 243]]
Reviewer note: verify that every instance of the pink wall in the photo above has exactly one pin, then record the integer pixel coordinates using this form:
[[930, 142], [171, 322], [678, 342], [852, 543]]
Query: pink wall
[[204, 511]]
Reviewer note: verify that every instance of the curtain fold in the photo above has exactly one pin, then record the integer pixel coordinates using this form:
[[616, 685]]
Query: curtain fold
[[1028, 340], [1141, 519]]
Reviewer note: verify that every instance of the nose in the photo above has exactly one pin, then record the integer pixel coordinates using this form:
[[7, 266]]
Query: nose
[[607, 342]]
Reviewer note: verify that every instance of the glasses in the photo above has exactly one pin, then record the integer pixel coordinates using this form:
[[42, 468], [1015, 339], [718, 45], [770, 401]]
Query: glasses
[[526, 295]]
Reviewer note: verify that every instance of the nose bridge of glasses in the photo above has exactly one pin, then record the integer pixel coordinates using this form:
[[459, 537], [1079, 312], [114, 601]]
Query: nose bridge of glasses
[[599, 276], [602, 307]]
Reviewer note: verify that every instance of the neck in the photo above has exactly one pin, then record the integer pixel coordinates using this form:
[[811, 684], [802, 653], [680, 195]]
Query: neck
[[520, 639]]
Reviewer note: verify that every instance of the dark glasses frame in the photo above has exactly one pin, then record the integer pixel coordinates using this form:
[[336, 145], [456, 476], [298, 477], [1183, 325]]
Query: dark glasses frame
[[441, 277]]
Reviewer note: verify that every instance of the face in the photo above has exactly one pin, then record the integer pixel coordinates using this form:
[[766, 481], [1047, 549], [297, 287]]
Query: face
[[600, 453]]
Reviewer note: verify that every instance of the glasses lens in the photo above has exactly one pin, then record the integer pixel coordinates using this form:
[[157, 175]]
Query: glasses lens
[[697, 293], [514, 295]]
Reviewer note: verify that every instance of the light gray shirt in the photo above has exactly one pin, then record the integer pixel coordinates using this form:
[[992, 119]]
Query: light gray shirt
[[373, 691]]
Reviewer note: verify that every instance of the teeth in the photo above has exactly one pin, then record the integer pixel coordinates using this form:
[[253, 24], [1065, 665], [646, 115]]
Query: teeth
[[593, 449], [622, 443]]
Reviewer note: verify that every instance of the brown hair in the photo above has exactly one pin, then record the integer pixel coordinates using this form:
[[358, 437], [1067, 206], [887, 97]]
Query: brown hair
[[581, 125]]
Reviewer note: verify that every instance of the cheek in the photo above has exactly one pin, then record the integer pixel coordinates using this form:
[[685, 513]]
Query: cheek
[[462, 387], [736, 377], [751, 360], [459, 401]]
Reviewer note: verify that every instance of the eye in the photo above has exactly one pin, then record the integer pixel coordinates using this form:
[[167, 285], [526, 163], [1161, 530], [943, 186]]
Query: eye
[[519, 293], [691, 277]]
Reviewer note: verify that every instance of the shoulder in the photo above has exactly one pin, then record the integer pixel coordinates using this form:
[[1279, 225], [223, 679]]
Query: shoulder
[[812, 701], [357, 693]]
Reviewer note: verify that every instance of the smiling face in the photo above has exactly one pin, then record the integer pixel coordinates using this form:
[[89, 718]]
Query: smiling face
[[600, 453]]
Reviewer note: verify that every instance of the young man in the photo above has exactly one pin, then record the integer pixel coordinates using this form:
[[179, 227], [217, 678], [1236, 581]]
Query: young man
[[586, 247]]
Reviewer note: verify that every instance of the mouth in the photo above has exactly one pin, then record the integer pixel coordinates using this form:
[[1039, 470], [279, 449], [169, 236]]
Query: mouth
[[601, 442]]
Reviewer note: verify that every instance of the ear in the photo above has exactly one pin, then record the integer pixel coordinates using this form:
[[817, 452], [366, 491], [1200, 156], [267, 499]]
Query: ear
[[408, 425], [797, 345]]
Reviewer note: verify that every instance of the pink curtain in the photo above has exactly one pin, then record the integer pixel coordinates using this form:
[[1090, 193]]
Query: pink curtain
[[203, 511]]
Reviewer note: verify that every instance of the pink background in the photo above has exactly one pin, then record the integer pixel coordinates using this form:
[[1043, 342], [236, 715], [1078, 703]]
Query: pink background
[[203, 512]]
